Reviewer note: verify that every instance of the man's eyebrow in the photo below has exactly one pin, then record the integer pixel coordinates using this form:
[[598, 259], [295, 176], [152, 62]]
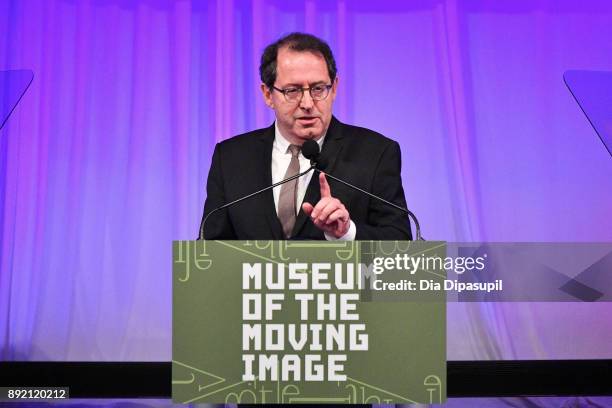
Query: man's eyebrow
[[295, 85], [292, 86]]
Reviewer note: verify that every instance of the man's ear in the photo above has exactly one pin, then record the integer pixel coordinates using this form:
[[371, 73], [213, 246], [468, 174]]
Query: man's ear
[[334, 87], [267, 95]]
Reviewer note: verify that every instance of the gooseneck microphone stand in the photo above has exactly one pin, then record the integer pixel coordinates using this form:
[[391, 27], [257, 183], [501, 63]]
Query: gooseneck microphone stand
[[202, 224]]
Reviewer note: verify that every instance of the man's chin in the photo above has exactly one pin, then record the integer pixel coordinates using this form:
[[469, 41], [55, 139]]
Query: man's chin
[[310, 133]]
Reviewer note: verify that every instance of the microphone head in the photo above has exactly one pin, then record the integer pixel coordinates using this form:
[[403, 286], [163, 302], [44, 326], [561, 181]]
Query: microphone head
[[310, 150]]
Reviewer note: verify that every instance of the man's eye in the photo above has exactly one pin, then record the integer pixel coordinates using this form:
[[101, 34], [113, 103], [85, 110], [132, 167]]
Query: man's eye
[[318, 88], [291, 91]]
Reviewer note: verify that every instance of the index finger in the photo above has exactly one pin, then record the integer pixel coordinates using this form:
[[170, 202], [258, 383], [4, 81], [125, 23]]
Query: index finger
[[325, 189]]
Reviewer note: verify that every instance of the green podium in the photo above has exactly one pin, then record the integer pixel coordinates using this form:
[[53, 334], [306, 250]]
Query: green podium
[[297, 322]]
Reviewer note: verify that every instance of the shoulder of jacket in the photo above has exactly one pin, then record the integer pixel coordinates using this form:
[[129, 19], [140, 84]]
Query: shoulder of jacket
[[243, 140], [366, 135]]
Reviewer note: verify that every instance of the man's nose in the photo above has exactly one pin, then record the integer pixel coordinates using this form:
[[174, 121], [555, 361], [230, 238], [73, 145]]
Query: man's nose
[[306, 102]]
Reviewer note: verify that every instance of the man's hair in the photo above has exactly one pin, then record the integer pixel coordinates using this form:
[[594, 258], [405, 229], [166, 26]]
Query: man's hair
[[295, 42]]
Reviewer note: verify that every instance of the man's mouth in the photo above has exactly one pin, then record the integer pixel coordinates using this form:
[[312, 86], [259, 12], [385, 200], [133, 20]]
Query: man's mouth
[[307, 118]]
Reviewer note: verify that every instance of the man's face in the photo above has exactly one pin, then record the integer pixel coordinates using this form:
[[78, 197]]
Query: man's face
[[304, 119]]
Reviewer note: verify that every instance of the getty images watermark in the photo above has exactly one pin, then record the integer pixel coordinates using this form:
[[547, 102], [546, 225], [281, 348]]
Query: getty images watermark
[[399, 273], [490, 272]]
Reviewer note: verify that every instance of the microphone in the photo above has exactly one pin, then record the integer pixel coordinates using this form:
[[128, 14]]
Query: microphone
[[311, 151], [311, 155], [311, 148]]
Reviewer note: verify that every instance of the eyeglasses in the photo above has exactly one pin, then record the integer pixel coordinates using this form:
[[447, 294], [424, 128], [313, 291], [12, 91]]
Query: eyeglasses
[[293, 94]]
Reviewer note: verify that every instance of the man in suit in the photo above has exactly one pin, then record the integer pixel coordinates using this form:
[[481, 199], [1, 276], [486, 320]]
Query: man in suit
[[299, 83]]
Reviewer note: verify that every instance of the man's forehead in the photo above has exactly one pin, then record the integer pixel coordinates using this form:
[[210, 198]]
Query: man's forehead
[[303, 67]]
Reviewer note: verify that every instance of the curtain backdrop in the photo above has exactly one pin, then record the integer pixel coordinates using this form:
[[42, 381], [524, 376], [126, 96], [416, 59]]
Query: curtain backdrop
[[104, 162]]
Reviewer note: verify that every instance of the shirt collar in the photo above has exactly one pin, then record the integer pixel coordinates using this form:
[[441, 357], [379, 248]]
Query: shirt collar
[[282, 144]]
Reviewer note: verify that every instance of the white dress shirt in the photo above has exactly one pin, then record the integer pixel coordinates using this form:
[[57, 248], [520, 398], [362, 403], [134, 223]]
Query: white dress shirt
[[280, 162]]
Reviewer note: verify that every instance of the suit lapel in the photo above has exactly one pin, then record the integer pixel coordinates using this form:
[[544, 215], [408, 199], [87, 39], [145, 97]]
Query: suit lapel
[[332, 147], [265, 152]]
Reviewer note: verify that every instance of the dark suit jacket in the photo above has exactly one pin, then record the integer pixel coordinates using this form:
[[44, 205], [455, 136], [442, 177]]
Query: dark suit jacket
[[242, 165]]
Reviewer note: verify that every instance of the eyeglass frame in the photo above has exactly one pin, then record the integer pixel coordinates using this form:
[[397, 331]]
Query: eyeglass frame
[[309, 89]]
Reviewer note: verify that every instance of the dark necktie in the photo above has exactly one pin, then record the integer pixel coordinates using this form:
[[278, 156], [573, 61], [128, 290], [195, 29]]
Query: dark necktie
[[288, 194]]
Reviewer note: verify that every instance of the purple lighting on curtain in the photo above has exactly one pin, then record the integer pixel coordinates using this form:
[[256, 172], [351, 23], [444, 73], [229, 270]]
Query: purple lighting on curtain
[[104, 161]]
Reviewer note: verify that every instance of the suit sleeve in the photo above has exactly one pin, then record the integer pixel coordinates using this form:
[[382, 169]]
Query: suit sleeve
[[383, 221], [218, 225]]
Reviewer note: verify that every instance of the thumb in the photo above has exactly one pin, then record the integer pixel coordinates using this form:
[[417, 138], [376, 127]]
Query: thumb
[[307, 207]]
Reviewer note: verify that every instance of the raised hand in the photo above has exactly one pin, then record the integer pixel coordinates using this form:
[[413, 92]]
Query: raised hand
[[329, 214]]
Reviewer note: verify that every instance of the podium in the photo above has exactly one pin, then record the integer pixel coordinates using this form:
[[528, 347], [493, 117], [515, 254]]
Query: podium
[[298, 322]]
